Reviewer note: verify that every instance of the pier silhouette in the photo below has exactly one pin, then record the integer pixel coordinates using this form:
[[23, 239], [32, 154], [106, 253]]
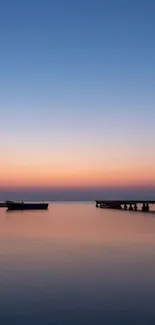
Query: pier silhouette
[[130, 205]]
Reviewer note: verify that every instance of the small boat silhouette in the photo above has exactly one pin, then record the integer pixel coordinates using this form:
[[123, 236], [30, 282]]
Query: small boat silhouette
[[12, 205]]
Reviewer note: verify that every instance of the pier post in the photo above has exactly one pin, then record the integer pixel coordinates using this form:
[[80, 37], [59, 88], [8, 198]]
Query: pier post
[[97, 205], [147, 207], [130, 207], [135, 207]]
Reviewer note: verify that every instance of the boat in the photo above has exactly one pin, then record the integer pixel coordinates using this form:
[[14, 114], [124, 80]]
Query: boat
[[12, 205]]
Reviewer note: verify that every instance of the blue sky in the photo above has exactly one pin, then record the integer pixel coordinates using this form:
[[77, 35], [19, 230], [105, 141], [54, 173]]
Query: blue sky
[[77, 84]]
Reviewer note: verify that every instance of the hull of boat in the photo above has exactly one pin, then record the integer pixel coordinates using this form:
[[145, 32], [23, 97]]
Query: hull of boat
[[26, 206]]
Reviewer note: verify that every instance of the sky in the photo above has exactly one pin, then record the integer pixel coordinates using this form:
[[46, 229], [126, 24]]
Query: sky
[[77, 100]]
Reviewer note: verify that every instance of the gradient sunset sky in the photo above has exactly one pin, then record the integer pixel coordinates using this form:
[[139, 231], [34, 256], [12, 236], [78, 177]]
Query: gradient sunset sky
[[77, 93]]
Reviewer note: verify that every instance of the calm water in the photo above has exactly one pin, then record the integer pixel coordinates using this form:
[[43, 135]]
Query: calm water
[[76, 264]]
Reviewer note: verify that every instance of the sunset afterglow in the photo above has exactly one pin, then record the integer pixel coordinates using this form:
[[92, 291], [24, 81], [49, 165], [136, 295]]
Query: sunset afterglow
[[77, 100]]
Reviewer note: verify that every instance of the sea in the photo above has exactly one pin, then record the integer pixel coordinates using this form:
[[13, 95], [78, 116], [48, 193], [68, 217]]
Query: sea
[[75, 264]]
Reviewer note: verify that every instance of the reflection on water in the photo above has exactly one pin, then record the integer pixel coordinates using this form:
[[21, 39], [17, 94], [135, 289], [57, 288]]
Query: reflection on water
[[76, 264]]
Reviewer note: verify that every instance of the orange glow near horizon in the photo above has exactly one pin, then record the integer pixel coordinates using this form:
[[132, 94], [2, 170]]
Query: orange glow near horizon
[[27, 177], [75, 168]]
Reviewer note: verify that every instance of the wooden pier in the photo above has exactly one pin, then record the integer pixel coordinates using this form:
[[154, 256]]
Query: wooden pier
[[130, 205]]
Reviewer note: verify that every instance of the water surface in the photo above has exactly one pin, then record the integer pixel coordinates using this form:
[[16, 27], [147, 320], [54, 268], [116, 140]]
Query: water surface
[[76, 264]]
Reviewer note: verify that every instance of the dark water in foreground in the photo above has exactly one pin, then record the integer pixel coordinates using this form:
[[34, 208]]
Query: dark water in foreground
[[76, 264]]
